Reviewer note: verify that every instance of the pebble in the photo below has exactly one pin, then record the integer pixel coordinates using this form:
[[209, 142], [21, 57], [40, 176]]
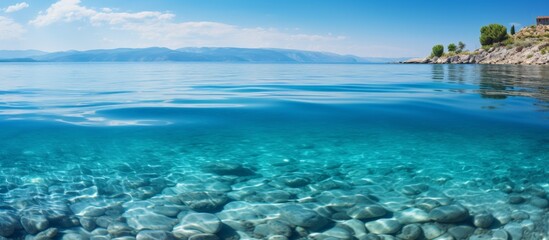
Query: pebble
[[119, 229], [196, 223], [514, 229], [461, 232], [88, 223], [73, 236], [500, 234], [225, 168], [383, 226], [449, 214], [519, 215], [303, 217], [153, 235], [141, 219], [34, 223], [204, 236], [483, 220], [432, 230], [47, 234], [278, 228], [412, 215], [338, 232], [204, 201], [365, 212], [8, 223], [516, 199], [410, 232], [539, 202]]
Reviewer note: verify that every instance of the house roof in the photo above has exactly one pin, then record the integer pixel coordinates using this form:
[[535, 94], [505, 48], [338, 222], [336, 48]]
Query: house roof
[[543, 17]]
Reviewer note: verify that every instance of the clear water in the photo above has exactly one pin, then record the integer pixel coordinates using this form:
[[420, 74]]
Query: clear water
[[73, 133]]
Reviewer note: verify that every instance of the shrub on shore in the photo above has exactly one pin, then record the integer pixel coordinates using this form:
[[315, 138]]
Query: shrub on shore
[[438, 50], [493, 33], [452, 47]]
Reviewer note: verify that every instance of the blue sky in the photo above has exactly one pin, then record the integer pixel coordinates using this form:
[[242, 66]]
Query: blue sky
[[360, 27]]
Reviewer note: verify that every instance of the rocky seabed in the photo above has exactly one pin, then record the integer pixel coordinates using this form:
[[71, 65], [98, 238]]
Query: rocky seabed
[[283, 200]]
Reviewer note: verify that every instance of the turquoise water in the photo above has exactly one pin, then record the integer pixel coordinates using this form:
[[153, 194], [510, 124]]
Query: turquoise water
[[111, 143]]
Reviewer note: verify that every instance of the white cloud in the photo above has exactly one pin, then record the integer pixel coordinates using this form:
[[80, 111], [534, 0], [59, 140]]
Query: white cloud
[[10, 29], [160, 29], [16, 7]]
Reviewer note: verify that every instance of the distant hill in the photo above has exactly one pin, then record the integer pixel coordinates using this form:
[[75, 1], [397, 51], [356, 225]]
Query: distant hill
[[18, 54], [157, 54]]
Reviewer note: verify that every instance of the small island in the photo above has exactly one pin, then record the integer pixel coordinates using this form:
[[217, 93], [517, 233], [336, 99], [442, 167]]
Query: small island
[[529, 46]]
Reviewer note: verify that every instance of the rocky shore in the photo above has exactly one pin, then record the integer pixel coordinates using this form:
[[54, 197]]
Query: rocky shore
[[530, 47]]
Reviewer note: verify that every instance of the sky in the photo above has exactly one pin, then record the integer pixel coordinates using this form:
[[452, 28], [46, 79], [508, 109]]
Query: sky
[[367, 28]]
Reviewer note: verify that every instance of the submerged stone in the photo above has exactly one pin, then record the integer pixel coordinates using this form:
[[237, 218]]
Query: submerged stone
[[412, 215], [449, 214], [366, 212], [34, 223], [146, 219], [303, 217], [461, 232], [153, 235], [204, 201], [197, 223], [410, 232], [383, 226], [483, 220], [225, 168]]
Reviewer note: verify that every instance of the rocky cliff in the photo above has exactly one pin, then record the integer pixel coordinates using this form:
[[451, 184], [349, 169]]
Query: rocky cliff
[[529, 46]]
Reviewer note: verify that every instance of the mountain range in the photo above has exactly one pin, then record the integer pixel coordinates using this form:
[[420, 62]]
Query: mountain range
[[204, 54]]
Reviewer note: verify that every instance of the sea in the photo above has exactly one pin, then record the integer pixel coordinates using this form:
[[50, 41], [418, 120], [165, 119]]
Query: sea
[[273, 151]]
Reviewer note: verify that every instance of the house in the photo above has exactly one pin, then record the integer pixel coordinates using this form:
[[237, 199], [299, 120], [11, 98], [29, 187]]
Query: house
[[543, 20]]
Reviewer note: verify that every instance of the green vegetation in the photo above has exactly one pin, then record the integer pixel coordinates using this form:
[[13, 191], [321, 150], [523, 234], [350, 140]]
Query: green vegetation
[[452, 47], [461, 47], [493, 33], [438, 50], [513, 30]]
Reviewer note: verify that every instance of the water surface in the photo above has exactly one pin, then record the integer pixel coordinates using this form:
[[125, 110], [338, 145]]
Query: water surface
[[129, 133]]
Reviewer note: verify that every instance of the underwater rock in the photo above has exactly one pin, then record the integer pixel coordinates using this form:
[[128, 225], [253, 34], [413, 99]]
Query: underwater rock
[[357, 226], [410, 232], [514, 229], [204, 236], [383, 226], [338, 232], [295, 181], [88, 223], [47, 234], [500, 234], [141, 219], [119, 229], [539, 202], [366, 212], [153, 235], [197, 223], [300, 216], [73, 236], [278, 228], [8, 223], [34, 223], [414, 189], [449, 214], [225, 168], [412, 215], [483, 220], [516, 199], [461, 232], [432, 230], [204, 201]]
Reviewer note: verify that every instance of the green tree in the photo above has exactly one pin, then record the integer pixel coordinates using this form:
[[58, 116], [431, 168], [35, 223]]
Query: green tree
[[492, 33], [452, 47], [438, 50], [461, 47], [513, 30]]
